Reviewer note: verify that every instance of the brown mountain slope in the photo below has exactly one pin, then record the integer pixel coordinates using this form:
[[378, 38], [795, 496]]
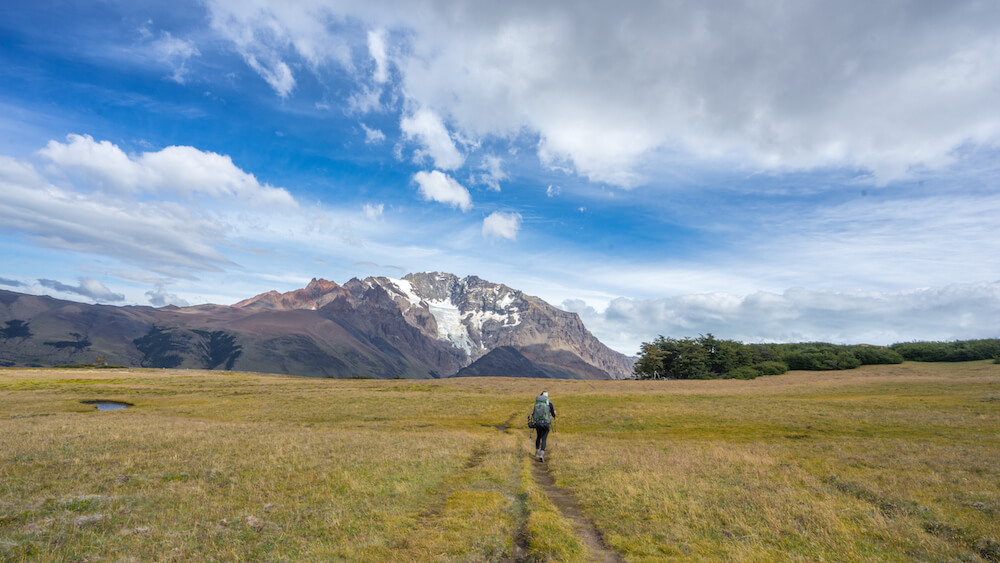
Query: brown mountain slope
[[424, 325]]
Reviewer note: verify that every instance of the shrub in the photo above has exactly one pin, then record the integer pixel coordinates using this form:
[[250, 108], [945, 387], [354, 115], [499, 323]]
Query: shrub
[[876, 355], [770, 368], [821, 359], [956, 351], [743, 372]]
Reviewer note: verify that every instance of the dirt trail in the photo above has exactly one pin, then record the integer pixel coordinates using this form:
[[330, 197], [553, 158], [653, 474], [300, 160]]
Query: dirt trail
[[564, 500], [506, 425]]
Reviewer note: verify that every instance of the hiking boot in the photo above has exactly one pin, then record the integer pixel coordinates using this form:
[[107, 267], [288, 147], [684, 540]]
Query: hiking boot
[[541, 455], [536, 452]]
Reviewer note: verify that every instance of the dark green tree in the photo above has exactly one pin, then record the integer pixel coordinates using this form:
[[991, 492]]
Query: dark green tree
[[16, 329], [218, 348], [158, 349]]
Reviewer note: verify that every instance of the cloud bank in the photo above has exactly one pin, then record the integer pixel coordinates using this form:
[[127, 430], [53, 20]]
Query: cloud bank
[[173, 171], [959, 311], [610, 89]]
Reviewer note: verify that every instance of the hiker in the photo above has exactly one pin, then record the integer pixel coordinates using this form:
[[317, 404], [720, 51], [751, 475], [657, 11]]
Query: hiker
[[542, 416]]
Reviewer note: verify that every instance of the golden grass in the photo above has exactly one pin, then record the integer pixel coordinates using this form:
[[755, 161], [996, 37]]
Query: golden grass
[[880, 463]]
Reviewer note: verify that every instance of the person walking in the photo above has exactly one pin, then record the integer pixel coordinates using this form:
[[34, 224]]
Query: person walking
[[542, 416]]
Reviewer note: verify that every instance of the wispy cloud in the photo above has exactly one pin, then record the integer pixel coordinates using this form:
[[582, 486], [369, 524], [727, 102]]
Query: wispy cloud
[[426, 127], [175, 53], [492, 172], [374, 211], [88, 287], [373, 136], [377, 50], [165, 238]]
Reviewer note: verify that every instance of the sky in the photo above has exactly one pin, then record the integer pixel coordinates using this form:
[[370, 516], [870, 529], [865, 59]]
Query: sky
[[778, 171]]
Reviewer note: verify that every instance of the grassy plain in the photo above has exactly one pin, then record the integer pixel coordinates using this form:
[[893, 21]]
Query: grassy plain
[[895, 463]]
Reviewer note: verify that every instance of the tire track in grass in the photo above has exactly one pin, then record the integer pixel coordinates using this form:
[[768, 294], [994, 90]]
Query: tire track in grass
[[565, 501], [502, 427], [452, 484], [460, 482], [521, 549]]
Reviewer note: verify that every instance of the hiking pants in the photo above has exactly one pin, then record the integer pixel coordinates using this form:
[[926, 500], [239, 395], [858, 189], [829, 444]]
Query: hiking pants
[[541, 433]]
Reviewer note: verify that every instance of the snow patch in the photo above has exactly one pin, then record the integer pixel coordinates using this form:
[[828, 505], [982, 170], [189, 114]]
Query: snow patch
[[453, 325], [449, 324], [478, 318], [506, 301], [405, 288]]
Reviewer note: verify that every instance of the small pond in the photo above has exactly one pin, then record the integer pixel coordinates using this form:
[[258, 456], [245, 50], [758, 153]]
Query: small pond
[[108, 405]]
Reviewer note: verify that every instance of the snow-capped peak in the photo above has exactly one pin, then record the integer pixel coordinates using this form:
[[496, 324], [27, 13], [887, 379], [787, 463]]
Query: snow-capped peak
[[461, 307]]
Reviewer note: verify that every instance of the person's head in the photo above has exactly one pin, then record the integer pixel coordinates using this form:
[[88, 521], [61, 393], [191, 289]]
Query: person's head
[[545, 394]]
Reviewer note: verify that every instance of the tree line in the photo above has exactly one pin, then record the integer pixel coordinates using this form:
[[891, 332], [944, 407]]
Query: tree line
[[708, 357]]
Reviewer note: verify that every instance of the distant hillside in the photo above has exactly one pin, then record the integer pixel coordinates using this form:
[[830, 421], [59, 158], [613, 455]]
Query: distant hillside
[[506, 361], [420, 326]]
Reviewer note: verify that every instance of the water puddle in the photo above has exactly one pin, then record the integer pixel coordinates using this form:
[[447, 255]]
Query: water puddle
[[108, 405]]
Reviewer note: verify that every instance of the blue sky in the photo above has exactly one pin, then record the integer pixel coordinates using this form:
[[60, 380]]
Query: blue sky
[[782, 171]]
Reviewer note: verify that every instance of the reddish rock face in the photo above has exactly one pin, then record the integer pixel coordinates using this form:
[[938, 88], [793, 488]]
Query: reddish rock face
[[319, 292]]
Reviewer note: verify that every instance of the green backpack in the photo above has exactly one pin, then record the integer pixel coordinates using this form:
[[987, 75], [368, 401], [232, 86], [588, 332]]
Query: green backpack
[[540, 416]]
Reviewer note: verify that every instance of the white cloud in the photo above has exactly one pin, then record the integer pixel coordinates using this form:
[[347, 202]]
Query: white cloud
[[88, 287], [963, 311], [365, 100], [162, 237], [553, 191], [612, 89], [275, 73], [502, 225], [493, 172], [168, 211], [376, 48], [175, 53], [263, 33], [373, 211], [426, 127], [373, 136], [158, 297], [176, 170], [928, 239], [438, 186]]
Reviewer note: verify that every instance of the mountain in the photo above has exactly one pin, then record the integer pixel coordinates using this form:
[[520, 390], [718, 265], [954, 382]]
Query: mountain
[[423, 325], [506, 361]]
